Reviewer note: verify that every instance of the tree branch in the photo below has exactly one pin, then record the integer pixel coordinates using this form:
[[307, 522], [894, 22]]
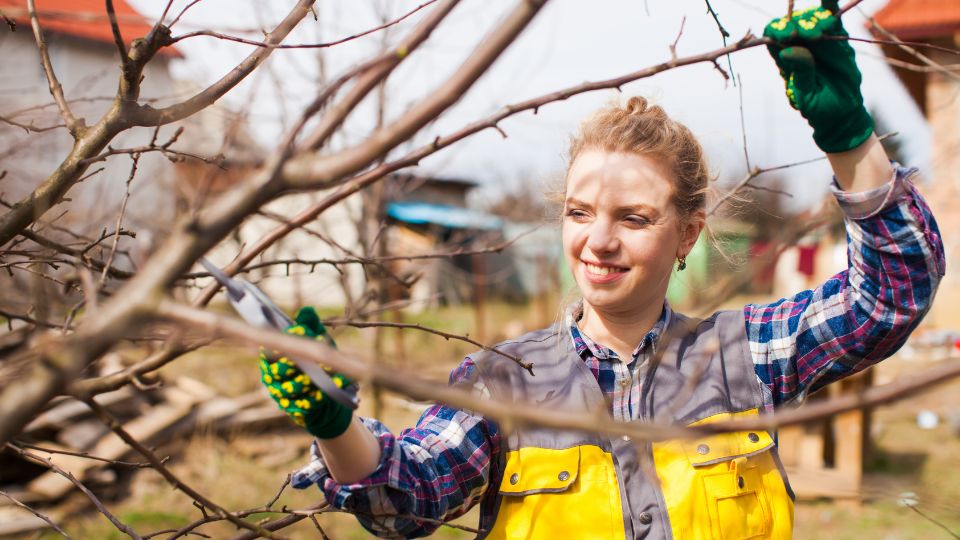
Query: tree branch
[[149, 116], [380, 69], [159, 466], [37, 513], [446, 335], [227, 37], [46, 462], [316, 171], [74, 125]]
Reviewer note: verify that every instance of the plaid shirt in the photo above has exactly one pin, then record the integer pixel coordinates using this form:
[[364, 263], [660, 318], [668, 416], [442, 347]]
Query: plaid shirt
[[439, 469]]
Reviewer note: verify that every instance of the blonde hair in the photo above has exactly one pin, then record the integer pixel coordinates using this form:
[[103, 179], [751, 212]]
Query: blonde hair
[[644, 129]]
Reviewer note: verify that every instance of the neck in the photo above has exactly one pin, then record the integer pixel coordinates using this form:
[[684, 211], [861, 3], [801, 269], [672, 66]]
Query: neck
[[621, 332]]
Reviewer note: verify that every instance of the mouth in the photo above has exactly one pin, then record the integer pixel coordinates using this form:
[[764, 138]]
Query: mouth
[[603, 273]]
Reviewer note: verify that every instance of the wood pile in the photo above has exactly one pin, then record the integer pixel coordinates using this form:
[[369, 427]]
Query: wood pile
[[160, 417]]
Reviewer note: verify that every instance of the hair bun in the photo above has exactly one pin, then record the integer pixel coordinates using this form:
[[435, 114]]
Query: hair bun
[[636, 105]]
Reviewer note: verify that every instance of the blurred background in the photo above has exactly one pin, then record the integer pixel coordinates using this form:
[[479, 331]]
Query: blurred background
[[466, 242]]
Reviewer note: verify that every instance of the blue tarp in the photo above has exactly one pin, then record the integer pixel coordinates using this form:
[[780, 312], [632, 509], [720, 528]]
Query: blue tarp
[[452, 217]]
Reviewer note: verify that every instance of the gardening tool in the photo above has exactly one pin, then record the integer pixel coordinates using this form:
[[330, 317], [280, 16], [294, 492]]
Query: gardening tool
[[255, 307]]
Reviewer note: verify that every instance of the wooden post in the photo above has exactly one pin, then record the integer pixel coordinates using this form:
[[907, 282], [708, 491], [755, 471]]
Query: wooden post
[[479, 297]]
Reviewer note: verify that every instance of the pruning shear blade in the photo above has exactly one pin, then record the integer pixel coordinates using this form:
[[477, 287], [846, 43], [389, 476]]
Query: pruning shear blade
[[258, 310]]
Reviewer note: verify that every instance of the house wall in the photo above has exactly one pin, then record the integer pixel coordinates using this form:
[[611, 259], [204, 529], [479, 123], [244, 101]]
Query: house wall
[[299, 284], [942, 192], [89, 73]]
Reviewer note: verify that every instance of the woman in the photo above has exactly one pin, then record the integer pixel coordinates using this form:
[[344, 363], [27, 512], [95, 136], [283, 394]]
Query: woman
[[634, 206]]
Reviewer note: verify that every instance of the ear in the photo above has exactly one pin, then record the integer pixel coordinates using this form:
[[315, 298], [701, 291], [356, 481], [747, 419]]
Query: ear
[[690, 230]]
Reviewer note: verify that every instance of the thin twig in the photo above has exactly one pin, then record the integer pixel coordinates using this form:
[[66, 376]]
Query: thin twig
[[85, 455], [37, 513], [934, 521], [73, 124], [159, 466], [47, 462], [227, 37], [135, 158], [910, 50], [115, 30], [417, 326]]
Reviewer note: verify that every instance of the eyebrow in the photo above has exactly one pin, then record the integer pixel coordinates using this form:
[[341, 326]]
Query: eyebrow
[[571, 201]]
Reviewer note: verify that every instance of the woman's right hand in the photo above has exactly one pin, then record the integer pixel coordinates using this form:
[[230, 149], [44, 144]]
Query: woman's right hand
[[293, 391], [821, 76]]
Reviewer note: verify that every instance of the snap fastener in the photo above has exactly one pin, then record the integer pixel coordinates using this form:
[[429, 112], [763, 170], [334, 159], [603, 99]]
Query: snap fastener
[[646, 518], [753, 437], [514, 478], [740, 482], [563, 476], [703, 449]]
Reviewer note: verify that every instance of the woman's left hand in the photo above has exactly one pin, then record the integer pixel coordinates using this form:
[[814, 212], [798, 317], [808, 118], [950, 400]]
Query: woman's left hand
[[821, 76]]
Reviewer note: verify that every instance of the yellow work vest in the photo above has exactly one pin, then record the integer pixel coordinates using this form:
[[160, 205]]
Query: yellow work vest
[[573, 485]]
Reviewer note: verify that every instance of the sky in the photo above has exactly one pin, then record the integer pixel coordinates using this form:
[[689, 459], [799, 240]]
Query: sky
[[570, 41]]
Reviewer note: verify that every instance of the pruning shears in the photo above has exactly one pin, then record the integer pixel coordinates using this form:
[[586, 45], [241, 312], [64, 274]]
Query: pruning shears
[[255, 307]]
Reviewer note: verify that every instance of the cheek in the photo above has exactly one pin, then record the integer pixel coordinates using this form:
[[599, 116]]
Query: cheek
[[570, 234]]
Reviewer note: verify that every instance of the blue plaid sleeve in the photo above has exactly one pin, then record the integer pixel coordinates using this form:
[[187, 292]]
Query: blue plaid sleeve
[[435, 471], [863, 314]]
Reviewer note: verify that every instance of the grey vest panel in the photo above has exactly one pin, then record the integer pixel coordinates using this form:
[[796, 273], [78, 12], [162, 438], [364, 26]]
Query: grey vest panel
[[705, 368]]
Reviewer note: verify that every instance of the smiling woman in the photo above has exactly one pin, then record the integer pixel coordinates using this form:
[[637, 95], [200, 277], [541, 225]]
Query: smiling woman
[[633, 204], [633, 207]]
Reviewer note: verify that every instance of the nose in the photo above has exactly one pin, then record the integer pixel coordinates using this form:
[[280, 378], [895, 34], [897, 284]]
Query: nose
[[602, 238]]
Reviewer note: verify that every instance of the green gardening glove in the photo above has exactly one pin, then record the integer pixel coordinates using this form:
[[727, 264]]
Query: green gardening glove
[[306, 404], [821, 76]]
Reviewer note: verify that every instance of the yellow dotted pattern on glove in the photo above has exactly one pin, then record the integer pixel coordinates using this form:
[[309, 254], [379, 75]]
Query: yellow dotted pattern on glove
[[297, 330]]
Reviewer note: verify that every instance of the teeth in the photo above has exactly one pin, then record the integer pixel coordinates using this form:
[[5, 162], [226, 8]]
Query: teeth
[[601, 270]]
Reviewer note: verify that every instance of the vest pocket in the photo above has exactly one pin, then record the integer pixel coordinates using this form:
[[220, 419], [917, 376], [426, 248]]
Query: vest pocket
[[566, 493], [723, 487]]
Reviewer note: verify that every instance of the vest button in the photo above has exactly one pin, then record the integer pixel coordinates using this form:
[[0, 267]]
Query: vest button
[[646, 518], [703, 449], [514, 478], [753, 437], [563, 476]]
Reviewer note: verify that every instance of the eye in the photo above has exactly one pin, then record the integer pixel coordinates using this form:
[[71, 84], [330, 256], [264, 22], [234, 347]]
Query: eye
[[576, 214], [638, 221]]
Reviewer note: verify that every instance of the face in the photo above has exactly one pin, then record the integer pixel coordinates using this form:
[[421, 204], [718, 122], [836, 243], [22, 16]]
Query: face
[[621, 232]]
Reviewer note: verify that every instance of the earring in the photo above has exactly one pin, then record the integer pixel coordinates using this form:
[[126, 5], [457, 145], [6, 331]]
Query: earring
[[681, 263]]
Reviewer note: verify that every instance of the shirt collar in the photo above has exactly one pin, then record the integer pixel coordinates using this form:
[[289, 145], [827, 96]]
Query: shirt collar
[[586, 346]]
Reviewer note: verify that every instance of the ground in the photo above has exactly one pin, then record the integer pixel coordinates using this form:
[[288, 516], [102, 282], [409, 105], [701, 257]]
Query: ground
[[245, 470]]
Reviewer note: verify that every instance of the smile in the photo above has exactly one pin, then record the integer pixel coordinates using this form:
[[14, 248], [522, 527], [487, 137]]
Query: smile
[[603, 273]]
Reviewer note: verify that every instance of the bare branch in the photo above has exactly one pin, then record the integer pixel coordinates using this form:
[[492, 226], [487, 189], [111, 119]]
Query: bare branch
[[30, 128], [75, 125], [381, 67], [159, 466], [417, 326], [115, 30], [114, 462], [227, 37], [46, 462], [37, 513], [149, 116], [910, 50], [315, 171]]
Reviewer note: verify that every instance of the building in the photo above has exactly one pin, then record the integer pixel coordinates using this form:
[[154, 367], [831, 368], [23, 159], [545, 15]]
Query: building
[[86, 62], [936, 22]]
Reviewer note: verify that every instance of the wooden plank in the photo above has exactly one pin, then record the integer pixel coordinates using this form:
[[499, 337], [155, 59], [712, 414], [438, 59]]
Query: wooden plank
[[70, 409], [812, 484], [788, 444], [810, 456], [51, 485]]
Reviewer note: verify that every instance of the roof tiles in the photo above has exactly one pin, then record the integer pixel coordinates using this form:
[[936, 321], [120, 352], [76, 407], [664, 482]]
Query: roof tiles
[[84, 19], [920, 19]]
